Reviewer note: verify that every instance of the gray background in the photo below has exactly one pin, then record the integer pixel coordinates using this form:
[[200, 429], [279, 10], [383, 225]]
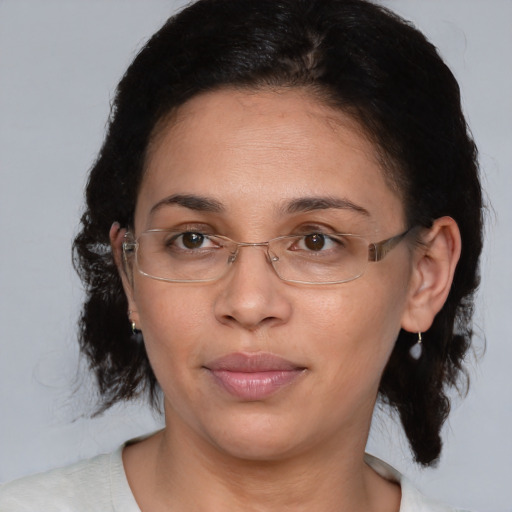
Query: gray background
[[59, 63]]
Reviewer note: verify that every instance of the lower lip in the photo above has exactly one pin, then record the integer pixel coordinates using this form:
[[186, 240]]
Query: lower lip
[[253, 386]]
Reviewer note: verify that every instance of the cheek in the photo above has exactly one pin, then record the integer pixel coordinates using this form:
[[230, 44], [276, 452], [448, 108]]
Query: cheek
[[174, 324], [163, 305], [173, 320], [354, 329]]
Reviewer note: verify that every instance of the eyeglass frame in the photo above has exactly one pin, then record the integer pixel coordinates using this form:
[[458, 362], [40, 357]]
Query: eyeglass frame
[[377, 251]]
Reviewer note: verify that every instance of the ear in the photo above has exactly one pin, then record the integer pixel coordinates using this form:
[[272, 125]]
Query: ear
[[117, 237], [432, 274]]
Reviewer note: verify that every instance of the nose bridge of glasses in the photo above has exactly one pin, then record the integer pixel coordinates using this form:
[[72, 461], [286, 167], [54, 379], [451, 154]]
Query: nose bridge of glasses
[[238, 245]]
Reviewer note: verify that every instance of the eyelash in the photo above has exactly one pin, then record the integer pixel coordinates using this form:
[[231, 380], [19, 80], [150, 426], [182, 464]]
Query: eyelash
[[304, 229]]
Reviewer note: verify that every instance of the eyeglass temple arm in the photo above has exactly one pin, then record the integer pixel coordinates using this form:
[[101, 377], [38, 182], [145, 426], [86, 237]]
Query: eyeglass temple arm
[[377, 251], [129, 246], [129, 243]]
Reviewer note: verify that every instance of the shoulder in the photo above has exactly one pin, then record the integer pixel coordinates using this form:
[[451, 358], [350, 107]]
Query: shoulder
[[69, 488], [412, 499], [94, 484]]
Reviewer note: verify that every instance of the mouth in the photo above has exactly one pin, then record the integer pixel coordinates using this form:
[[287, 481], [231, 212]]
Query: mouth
[[253, 377]]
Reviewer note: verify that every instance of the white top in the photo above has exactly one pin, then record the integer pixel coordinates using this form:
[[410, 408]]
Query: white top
[[100, 484]]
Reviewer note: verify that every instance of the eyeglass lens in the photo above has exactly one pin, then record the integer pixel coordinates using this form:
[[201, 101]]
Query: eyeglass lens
[[312, 258]]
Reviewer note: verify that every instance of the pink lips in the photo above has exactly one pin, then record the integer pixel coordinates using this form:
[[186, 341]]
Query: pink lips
[[253, 377]]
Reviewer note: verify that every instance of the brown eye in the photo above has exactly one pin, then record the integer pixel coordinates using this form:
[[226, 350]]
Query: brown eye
[[314, 242], [192, 240]]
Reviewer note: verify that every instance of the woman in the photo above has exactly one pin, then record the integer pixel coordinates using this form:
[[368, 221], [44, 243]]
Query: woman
[[284, 222]]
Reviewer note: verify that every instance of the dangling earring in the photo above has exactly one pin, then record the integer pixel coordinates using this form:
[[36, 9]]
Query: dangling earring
[[417, 349], [136, 333]]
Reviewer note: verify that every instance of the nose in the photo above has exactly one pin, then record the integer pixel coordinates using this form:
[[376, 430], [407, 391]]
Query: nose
[[252, 295]]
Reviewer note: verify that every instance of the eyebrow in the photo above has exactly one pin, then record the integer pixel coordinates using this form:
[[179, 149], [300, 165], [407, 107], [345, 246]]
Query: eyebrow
[[306, 204], [299, 205], [190, 201]]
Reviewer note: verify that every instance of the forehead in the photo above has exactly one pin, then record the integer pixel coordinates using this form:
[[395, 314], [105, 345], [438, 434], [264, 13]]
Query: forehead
[[262, 148], [253, 118]]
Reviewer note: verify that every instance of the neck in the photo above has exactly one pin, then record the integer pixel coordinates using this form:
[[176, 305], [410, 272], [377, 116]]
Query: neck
[[185, 472]]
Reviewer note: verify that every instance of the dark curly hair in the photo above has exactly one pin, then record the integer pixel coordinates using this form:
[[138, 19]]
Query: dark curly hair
[[353, 55]]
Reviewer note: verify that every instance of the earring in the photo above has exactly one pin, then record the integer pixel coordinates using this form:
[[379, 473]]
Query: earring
[[417, 349], [136, 333]]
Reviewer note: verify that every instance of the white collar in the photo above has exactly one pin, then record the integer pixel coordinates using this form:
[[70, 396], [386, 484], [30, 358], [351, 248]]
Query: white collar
[[412, 500]]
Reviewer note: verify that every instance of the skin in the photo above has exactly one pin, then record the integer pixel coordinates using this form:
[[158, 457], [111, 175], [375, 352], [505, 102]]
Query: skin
[[301, 448]]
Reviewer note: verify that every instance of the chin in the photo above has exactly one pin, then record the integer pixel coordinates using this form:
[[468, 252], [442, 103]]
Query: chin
[[258, 438]]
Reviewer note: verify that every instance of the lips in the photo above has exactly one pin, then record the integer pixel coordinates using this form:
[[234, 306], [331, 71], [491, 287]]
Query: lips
[[253, 377]]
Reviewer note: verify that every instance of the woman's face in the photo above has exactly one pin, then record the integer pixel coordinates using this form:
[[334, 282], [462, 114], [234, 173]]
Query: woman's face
[[249, 364]]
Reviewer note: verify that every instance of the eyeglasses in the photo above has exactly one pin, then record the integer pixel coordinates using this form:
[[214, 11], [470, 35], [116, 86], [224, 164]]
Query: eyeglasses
[[313, 258]]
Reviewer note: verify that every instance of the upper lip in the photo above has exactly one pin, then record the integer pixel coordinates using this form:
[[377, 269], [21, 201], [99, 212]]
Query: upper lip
[[252, 363]]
